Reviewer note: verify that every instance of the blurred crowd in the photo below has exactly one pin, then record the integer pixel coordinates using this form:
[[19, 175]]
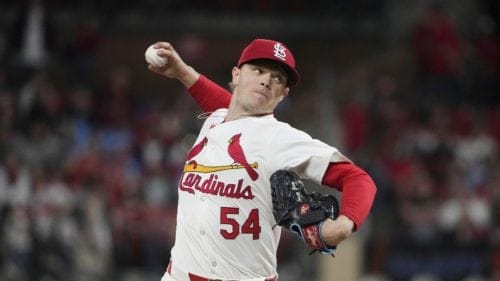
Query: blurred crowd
[[114, 7], [434, 153], [89, 169]]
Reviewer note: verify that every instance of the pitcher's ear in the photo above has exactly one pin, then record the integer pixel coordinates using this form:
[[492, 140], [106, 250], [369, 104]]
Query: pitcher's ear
[[236, 76], [286, 91]]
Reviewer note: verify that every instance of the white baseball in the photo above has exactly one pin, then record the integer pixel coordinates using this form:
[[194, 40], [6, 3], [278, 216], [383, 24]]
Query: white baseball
[[153, 58]]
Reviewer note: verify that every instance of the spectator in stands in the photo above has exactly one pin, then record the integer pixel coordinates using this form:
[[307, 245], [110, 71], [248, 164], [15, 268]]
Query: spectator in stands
[[439, 53]]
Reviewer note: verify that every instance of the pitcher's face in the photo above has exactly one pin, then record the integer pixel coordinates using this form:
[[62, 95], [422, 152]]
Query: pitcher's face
[[259, 86]]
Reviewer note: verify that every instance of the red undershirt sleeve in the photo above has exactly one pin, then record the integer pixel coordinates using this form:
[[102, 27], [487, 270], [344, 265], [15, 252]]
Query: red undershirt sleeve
[[357, 187], [208, 95]]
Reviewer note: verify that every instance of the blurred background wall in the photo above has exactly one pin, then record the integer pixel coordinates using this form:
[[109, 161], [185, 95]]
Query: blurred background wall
[[92, 143]]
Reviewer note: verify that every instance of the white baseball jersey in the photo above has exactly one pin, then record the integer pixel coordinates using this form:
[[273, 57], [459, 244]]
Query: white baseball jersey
[[224, 216]]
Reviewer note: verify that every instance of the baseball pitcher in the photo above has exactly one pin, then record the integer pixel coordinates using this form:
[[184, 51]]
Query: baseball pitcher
[[241, 182]]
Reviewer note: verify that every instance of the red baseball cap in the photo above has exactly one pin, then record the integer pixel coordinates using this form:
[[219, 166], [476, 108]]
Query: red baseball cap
[[271, 50]]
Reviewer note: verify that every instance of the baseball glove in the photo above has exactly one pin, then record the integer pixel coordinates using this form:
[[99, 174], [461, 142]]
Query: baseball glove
[[301, 212]]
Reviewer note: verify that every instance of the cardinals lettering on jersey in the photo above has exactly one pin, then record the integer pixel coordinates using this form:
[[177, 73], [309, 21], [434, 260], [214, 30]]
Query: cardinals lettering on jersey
[[193, 179], [212, 185]]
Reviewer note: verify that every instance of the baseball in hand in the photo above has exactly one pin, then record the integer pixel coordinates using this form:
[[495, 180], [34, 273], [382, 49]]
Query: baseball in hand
[[153, 58]]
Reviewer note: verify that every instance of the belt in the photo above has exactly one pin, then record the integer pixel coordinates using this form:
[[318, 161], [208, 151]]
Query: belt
[[193, 277]]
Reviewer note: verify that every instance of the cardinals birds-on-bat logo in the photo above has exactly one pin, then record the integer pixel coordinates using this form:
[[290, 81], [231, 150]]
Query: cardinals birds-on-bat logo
[[197, 149], [236, 152]]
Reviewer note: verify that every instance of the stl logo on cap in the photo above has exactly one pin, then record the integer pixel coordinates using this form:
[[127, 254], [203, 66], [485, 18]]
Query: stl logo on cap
[[271, 50], [279, 51]]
